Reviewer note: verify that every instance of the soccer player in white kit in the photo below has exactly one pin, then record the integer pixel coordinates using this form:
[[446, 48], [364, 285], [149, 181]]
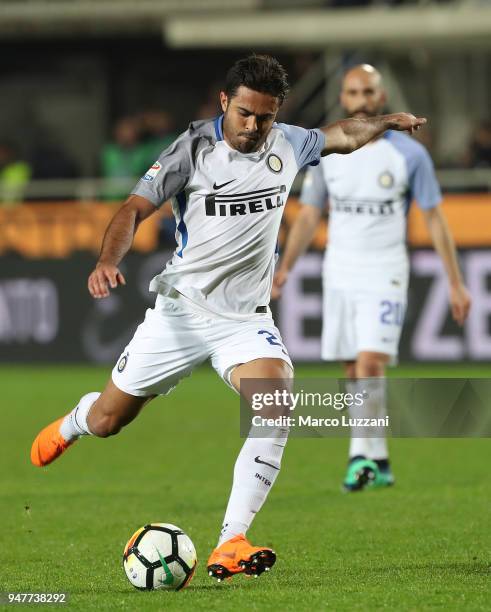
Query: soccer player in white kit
[[366, 267], [229, 179]]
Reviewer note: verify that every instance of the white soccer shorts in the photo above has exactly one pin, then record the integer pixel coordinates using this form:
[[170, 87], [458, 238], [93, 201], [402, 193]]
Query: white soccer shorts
[[355, 321], [175, 337]]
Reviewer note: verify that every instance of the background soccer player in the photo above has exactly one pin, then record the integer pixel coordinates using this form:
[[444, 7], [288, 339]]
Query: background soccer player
[[366, 268], [229, 179]]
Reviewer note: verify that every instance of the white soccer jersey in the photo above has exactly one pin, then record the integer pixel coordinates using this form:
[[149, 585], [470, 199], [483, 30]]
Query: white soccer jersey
[[228, 207], [369, 193]]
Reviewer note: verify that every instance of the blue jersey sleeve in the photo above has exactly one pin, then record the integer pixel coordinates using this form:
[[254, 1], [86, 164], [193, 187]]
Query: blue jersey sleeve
[[423, 183], [307, 144], [314, 188]]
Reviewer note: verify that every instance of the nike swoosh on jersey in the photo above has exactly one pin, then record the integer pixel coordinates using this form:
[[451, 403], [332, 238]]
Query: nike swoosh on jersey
[[258, 460], [215, 186]]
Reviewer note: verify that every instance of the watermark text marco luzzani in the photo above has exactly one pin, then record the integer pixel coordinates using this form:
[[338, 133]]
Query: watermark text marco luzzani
[[291, 401], [330, 407]]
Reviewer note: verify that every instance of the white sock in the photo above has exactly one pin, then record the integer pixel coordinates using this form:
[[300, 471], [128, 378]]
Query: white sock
[[256, 469], [75, 423], [359, 446], [378, 440], [371, 442], [230, 530]]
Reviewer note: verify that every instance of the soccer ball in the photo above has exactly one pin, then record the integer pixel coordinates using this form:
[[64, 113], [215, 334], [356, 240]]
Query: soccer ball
[[159, 556]]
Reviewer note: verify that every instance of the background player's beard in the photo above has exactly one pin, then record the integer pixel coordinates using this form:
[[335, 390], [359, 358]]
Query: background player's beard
[[361, 114]]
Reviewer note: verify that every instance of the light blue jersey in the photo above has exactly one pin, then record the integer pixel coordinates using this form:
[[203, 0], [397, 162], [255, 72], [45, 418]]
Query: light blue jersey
[[369, 193]]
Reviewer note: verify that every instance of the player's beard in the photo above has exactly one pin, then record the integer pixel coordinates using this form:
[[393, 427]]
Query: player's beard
[[364, 113], [361, 114], [242, 141], [247, 144]]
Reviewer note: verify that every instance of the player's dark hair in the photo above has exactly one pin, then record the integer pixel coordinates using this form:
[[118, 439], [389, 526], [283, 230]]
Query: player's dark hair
[[261, 73]]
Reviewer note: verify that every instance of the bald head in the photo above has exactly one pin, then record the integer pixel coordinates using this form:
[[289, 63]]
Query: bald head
[[364, 72], [362, 92]]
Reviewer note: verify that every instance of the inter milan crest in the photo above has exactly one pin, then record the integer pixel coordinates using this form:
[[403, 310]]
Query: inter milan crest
[[386, 180], [274, 163], [122, 362]]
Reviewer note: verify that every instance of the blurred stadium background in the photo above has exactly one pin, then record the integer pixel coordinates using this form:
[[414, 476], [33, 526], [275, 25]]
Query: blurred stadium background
[[92, 90]]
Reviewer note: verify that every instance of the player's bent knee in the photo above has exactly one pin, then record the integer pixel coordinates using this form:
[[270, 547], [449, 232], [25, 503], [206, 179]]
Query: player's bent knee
[[265, 376], [371, 365], [350, 369], [372, 370], [263, 368], [280, 369]]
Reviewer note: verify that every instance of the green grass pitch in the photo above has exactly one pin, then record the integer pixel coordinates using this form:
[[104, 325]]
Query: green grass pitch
[[423, 544]]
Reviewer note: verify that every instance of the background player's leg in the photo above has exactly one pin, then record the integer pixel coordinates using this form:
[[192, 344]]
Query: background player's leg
[[359, 446], [360, 469], [371, 364], [349, 369], [259, 460], [371, 367]]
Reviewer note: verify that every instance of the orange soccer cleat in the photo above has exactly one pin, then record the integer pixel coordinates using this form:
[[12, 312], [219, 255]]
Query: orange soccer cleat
[[238, 555], [49, 444]]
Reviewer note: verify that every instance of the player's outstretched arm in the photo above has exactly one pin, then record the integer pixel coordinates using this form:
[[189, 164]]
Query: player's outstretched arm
[[116, 243], [347, 135], [460, 301]]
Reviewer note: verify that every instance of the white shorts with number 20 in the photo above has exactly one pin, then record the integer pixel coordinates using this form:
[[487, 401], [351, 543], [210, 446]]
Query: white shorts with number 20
[[176, 336], [356, 321]]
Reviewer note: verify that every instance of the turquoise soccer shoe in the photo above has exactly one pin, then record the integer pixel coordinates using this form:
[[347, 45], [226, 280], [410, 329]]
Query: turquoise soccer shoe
[[361, 473]]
